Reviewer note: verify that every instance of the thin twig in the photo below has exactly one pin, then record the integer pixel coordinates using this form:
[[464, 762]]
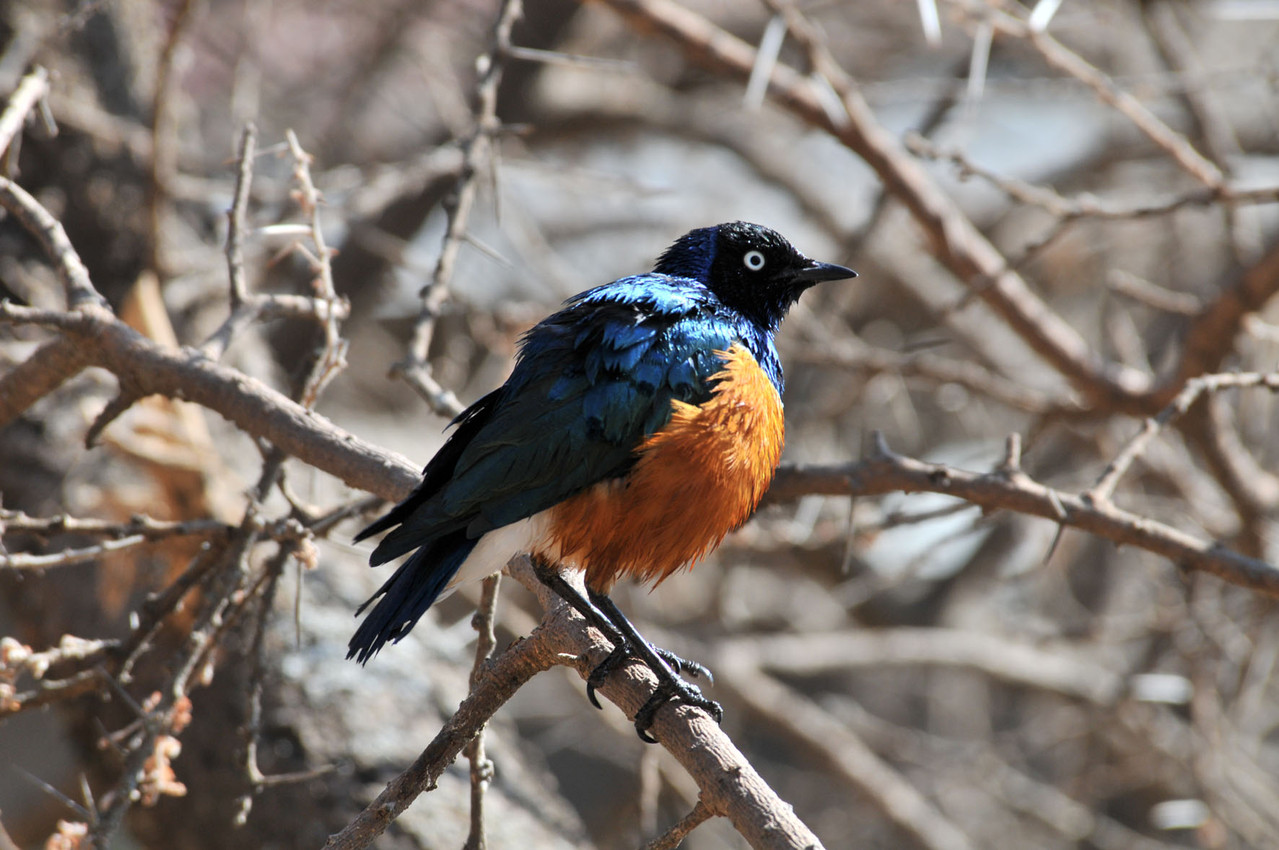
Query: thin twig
[[476, 156], [1104, 488], [1087, 206], [332, 357], [33, 88], [886, 471], [48, 231], [493, 687], [674, 837], [481, 768], [237, 215]]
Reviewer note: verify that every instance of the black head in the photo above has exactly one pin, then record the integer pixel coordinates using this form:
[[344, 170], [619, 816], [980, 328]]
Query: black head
[[749, 267]]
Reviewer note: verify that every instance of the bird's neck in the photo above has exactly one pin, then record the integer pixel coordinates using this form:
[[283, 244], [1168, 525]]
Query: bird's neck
[[760, 345]]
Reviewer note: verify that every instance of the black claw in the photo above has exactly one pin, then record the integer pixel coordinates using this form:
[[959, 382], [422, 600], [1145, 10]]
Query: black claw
[[590, 695], [677, 691], [683, 665], [603, 670]]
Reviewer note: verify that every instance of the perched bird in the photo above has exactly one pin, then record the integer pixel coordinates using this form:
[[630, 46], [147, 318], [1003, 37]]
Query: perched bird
[[640, 424]]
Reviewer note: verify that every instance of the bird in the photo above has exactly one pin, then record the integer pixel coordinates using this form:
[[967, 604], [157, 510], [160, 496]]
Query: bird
[[640, 424]]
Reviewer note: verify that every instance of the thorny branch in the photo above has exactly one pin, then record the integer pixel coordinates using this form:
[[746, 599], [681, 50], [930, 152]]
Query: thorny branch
[[477, 155]]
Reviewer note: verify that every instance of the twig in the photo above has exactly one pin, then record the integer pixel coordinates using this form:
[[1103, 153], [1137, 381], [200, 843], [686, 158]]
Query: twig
[[1152, 295], [729, 785], [1181, 55], [1087, 206], [238, 214], [497, 683], [325, 309], [16, 658], [256, 408], [40, 374], [67, 557], [476, 154], [332, 357], [674, 837], [1210, 338], [140, 525], [1104, 488], [481, 768], [265, 595], [33, 88], [48, 231]]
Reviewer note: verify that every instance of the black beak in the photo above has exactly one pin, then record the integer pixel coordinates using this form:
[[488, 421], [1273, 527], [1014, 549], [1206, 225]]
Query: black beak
[[816, 272]]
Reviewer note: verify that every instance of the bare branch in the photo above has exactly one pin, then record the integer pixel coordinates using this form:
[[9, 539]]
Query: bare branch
[[497, 683], [237, 215], [885, 471], [332, 357], [250, 404]]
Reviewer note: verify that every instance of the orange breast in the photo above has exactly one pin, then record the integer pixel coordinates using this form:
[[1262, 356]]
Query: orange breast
[[697, 479]]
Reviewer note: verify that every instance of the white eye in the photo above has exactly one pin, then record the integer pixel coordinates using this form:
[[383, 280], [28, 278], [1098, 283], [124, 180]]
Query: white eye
[[753, 260]]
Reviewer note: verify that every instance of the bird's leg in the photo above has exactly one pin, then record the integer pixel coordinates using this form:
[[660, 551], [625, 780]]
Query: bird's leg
[[665, 664], [602, 613], [550, 576]]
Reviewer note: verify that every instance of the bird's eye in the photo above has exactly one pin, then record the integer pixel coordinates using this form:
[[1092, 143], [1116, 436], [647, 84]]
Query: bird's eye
[[753, 260]]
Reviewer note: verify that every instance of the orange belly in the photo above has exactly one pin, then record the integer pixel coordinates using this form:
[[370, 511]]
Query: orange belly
[[697, 479]]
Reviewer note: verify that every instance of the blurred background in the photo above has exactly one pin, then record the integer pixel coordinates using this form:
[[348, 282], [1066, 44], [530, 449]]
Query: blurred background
[[905, 670]]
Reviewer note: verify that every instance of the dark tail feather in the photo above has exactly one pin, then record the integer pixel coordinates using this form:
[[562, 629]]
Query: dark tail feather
[[408, 593]]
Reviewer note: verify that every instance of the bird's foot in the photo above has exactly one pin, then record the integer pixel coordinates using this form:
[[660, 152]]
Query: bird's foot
[[622, 651], [670, 688]]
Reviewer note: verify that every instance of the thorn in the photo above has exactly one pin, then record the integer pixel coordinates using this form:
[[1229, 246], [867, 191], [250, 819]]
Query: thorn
[[770, 46], [1043, 14], [979, 62], [1061, 529], [1012, 455], [930, 21]]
